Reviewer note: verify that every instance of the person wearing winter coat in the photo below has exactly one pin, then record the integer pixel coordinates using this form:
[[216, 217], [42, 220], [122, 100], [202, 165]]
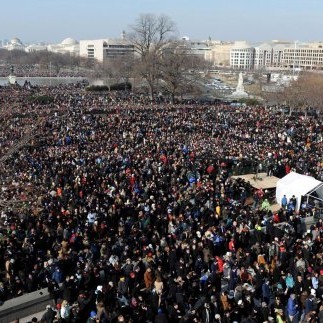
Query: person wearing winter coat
[[49, 315], [148, 278], [292, 307], [266, 292]]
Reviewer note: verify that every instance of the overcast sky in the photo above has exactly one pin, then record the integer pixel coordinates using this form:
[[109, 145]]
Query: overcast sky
[[251, 20]]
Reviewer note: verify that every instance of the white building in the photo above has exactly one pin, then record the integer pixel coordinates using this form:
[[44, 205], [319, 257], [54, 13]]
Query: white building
[[196, 48], [242, 56], [105, 49], [278, 50], [68, 45], [219, 53], [14, 44], [35, 48], [305, 56], [263, 56]]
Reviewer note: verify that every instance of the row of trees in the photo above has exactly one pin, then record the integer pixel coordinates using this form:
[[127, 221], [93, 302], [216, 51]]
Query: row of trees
[[43, 58], [302, 94]]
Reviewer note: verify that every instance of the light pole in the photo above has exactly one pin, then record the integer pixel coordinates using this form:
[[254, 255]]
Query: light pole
[[295, 43], [50, 73]]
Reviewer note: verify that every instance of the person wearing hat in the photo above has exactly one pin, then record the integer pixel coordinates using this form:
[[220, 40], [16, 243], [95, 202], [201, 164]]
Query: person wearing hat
[[99, 294]]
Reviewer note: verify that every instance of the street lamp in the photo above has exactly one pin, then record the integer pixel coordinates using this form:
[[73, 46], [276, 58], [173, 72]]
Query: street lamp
[[295, 43]]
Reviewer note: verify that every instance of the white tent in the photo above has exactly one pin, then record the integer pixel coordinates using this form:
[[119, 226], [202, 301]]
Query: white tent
[[298, 185]]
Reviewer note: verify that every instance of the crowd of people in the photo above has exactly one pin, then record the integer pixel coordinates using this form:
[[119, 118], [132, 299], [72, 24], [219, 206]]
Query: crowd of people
[[126, 211], [37, 70]]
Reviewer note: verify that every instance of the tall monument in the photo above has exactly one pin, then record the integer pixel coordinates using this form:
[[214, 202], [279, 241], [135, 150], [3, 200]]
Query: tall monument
[[240, 92]]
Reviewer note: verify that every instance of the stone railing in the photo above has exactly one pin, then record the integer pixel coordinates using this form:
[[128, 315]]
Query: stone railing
[[25, 305]]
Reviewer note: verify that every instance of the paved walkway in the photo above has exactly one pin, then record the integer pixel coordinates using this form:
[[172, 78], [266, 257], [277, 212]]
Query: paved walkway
[[261, 181], [29, 318]]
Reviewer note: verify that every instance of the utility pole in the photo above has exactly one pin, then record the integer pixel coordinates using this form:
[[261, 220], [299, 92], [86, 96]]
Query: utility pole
[[296, 41], [50, 73]]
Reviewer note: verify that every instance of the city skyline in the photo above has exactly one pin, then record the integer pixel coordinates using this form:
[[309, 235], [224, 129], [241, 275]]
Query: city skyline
[[251, 20]]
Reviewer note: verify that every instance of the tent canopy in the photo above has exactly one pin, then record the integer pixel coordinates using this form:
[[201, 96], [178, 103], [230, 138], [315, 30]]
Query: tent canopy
[[298, 185]]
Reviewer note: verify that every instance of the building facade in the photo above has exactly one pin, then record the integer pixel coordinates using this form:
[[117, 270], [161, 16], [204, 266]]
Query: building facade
[[104, 49], [67, 46], [219, 53], [308, 56], [263, 56], [285, 55], [14, 44], [242, 56]]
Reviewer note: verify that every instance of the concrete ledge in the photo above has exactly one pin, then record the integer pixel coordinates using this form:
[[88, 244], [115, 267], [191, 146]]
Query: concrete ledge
[[25, 305]]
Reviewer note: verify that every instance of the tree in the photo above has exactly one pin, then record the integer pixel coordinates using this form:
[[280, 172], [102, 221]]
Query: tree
[[304, 92], [148, 35], [311, 85], [123, 68], [179, 70]]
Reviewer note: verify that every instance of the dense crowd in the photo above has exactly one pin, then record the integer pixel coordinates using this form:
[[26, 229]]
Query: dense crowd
[[37, 70], [127, 212]]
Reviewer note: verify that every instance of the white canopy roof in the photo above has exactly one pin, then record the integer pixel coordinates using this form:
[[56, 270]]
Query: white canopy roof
[[298, 185]]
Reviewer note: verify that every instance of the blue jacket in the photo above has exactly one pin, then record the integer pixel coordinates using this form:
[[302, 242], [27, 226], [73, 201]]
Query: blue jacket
[[284, 201], [265, 290], [291, 307], [57, 276]]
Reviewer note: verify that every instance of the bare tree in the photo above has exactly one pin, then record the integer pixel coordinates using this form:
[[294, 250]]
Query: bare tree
[[148, 35], [304, 92], [122, 68], [311, 85], [150, 32], [179, 70]]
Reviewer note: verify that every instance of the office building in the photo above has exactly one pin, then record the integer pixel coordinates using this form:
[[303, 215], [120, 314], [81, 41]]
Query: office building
[[104, 49], [304, 56], [242, 56]]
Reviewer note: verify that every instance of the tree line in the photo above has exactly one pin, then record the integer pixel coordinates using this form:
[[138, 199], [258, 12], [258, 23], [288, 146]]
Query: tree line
[[303, 93]]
